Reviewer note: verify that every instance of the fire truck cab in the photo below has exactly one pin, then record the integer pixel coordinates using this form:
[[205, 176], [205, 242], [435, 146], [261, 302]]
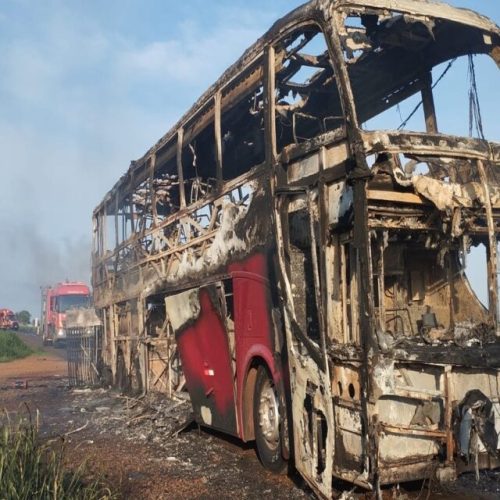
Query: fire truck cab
[[56, 301]]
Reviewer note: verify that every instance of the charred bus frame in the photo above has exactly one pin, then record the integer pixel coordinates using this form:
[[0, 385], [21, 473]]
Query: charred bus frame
[[303, 277]]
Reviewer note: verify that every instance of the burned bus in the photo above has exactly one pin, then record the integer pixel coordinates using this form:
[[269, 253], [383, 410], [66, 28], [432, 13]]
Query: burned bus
[[298, 264]]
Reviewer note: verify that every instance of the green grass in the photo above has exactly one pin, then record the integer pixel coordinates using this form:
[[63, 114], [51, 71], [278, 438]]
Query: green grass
[[27, 328], [12, 347], [32, 470]]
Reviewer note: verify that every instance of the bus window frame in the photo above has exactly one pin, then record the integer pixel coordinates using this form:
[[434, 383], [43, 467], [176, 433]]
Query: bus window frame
[[338, 67]]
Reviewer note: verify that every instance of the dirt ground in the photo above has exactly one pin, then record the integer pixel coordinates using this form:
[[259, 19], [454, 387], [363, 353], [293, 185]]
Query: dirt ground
[[47, 363], [139, 446]]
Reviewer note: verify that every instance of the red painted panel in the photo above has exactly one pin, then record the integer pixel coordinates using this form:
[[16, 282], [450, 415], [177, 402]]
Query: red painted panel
[[204, 347], [71, 288], [206, 362], [253, 326], [68, 288]]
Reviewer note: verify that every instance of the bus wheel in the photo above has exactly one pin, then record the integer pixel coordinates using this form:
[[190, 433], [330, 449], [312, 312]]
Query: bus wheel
[[267, 422]]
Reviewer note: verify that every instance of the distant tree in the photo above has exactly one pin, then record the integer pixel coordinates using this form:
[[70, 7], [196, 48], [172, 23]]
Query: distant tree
[[23, 317]]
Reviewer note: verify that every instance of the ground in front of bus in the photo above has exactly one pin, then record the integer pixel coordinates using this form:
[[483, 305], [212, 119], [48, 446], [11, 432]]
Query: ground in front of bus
[[138, 447]]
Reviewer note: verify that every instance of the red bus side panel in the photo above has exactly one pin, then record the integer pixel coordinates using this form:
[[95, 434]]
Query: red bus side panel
[[204, 351], [253, 326]]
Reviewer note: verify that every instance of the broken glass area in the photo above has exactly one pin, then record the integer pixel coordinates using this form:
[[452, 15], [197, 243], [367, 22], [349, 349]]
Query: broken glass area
[[407, 70], [306, 96]]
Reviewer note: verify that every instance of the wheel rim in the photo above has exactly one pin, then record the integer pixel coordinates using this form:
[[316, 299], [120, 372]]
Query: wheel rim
[[269, 415]]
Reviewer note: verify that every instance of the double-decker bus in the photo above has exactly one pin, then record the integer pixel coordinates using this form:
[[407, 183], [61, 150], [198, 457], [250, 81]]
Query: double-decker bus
[[299, 266]]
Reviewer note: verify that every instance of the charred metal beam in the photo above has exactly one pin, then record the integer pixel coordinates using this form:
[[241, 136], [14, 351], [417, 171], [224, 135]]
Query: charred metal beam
[[218, 139], [180, 173], [270, 105], [492, 246], [429, 109]]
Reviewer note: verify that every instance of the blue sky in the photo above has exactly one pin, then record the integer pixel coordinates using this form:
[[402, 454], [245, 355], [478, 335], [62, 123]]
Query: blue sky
[[86, 86]]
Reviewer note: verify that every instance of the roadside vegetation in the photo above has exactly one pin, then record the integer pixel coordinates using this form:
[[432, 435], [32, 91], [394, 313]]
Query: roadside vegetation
[[12, 347], [32, 470], [24, 317]]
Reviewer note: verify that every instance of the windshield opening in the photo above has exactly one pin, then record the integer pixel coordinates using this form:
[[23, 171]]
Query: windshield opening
[[475, 267], [434, 204], [422, 292], [457, 111], [420, 74], [65, 302]]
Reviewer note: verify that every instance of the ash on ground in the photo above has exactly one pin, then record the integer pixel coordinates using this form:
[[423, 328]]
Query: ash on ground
[[150, 447], [145, 447]]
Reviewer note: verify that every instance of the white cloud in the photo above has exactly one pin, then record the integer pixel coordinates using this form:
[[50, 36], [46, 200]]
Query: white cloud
[[192, 58], [27, 74]]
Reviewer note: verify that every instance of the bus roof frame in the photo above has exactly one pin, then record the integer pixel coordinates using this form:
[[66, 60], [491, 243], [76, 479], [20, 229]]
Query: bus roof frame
[[314, 9]]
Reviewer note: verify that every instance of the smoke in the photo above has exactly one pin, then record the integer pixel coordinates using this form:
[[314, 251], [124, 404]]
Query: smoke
[[30, 259], [70, 125]]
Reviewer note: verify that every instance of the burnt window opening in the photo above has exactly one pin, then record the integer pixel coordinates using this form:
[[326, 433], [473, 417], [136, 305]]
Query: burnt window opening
[[102, 235], [446, 170], [309, 419], [229, 298], [306, 94], [452, 184], [302, 274], [316, 429], [108, 231], [322, 434], [406, 70], [125, 220], [141, 208], [422, 291], [476, 270], [242, 123], [349, 282], [125, 311], [240, 195], [165, 185], [155, 316], [199, 165]]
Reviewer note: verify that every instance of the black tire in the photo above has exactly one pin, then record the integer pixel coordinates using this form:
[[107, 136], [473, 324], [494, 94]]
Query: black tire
[[267, 425]]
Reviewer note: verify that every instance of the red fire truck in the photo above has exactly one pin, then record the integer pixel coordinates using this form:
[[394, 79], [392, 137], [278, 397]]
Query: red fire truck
[[56, 300], [8, 320]]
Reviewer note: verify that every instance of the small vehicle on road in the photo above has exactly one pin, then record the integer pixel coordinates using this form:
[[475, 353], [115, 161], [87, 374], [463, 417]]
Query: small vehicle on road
[[8, 320]]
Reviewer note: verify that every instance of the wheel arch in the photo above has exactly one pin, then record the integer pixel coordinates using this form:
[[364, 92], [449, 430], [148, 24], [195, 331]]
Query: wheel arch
[[248, 390]]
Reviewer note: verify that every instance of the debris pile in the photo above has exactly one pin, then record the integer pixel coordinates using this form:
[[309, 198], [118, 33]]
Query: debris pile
[[143, 435], [151, 417]]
